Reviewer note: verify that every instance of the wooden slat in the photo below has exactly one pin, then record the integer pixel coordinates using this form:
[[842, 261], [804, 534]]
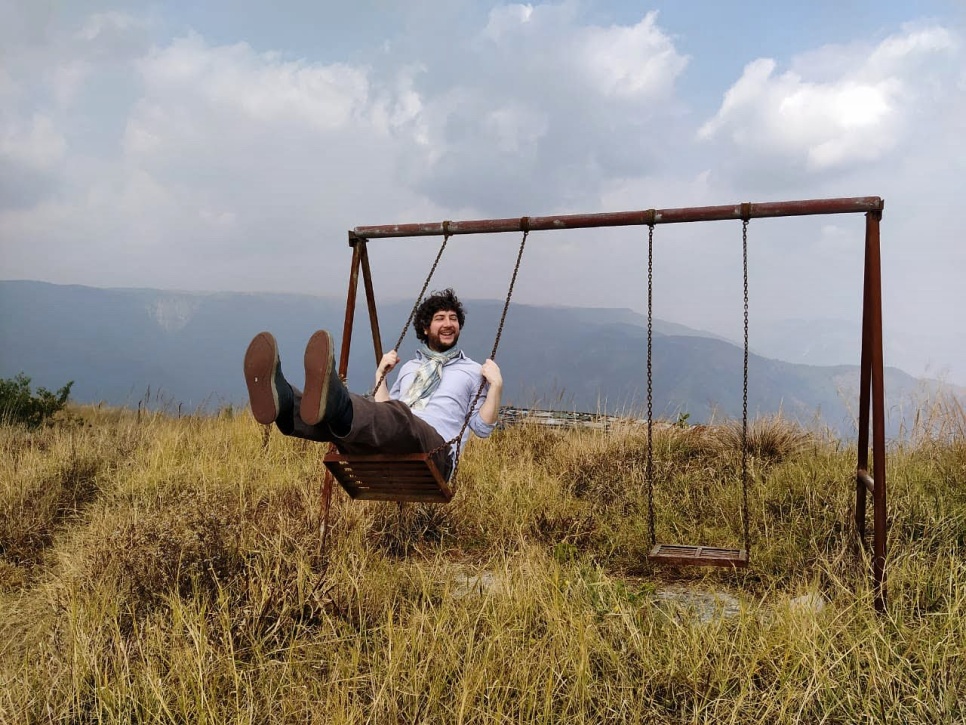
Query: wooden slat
[[362, 463], [377, 457], [360, 486], [377, 494], [379, 468], [401, 481], [387, 476], [382, 472], [438, 497], [687, 555], [400, 493]]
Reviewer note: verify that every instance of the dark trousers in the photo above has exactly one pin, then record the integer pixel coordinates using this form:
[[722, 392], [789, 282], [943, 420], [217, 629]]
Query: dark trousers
[[388, 427]]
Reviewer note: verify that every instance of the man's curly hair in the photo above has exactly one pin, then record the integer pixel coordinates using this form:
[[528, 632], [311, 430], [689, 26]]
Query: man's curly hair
[[444, 301]]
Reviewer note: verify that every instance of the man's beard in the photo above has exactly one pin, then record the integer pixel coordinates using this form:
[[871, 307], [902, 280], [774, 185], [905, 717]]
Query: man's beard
[[434, 344]]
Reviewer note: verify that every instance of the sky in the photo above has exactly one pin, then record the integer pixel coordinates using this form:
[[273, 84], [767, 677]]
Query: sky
[[229, 146]]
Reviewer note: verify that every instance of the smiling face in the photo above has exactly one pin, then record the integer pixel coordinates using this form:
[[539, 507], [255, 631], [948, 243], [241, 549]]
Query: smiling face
[[443, 331]]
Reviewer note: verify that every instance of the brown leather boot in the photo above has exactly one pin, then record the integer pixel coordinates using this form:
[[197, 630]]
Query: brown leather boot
[[269, 393], [325, 399]]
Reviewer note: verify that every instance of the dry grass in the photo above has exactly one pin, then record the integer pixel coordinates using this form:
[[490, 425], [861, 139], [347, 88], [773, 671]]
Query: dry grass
[[155, 569]]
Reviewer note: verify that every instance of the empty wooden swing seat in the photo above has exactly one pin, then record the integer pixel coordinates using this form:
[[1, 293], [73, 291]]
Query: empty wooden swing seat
[[385, 477], [686, 555]]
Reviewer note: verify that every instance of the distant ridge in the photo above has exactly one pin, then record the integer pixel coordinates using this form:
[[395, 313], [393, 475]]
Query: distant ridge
[[186, 348]]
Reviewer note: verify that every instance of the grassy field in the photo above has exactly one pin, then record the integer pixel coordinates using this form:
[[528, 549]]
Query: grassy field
[[164, 569]]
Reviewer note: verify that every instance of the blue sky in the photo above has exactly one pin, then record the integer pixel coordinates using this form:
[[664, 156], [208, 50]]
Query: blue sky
[[230, 145]]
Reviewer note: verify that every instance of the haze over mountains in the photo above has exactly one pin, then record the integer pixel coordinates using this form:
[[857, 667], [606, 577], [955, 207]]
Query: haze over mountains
[[186, 348]]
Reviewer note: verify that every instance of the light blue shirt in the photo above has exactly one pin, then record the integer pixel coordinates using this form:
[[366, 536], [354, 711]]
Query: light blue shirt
[[446, 409]]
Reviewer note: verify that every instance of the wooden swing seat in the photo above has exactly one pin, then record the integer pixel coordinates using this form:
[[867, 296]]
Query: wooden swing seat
[[385, 477], [686, 555]]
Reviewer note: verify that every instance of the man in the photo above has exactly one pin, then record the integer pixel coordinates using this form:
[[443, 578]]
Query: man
[[426, 407]]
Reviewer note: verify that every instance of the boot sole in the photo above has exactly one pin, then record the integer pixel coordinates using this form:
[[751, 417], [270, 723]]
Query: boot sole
[[261, 361], [318, 364]]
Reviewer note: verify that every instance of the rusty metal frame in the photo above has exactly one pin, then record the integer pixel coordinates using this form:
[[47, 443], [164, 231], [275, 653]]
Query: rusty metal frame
[[871, 377]]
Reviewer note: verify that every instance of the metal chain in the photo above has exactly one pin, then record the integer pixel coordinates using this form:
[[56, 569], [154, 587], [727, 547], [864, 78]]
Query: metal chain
[[744, 397], [650, 386], [458, 439], [412, 313]]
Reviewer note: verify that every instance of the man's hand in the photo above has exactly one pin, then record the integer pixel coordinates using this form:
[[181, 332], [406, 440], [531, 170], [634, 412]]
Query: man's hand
[[388, 362], [491, 371]]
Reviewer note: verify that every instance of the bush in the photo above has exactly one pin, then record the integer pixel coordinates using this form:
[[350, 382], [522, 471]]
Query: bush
[[19, 405]]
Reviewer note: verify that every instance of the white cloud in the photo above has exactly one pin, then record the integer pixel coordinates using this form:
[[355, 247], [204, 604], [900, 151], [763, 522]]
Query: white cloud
[[224, 154], [400, 106], [544, 109], [550, 46], [108, 25], [112, 37], [36, 145], [505, 20], [856, 112], [515, 130], [66, 81], [631, 62], [8, 87], [905, 53], [217, 218], [260, 87]]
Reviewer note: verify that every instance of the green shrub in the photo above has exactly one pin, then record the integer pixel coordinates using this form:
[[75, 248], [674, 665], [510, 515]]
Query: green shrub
[[19, 405]]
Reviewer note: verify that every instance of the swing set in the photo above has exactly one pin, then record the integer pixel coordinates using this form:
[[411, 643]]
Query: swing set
[[415, 477]]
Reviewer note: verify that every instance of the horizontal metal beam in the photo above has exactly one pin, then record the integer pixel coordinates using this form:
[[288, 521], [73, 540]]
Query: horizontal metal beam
[[852, 205]]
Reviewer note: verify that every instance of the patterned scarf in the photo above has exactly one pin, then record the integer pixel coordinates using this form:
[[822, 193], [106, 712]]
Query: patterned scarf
[[428, 376]]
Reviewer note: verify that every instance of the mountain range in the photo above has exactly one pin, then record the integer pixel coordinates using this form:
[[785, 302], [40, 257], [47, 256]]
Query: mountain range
[[184, 349]]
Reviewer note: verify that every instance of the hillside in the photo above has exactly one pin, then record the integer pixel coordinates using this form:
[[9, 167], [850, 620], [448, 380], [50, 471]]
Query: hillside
[[185, 349]]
